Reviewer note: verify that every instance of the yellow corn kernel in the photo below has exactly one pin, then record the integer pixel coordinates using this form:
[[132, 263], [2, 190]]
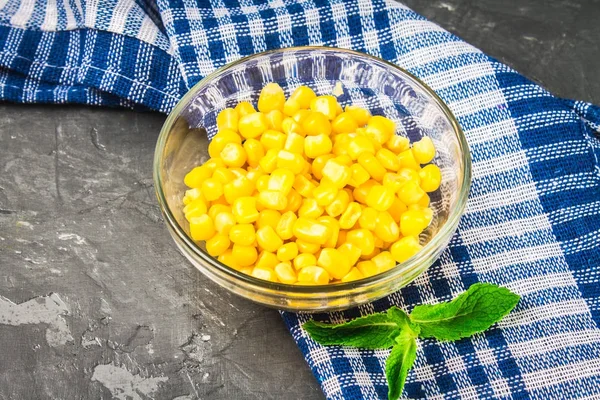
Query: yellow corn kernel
[[239, 172], [291, 161], [304, 260], [342, 237], [372, 254], [410, 193], [288, 125], [398, 144], [413, 222], [290, 107], [372, 166], [243, 255], [268, 240], [222, 138], [344, 123], [339, 204], [353, 275], [287, 252], [341, 142], [252, 125], [334, 228], [272, 199], [326, 105], [223, 175], [243, 234], [378, 242], [394, 181], [264, 274], [311, 231], [336, 173], [266, 260], [325, 193], [350, 216], [388, 159], [367, 268], [303, 95], [427, 212], [300, 115], [271, 98], [285, 273], [407, 160], [220, 200], [386, 228], [424, 202], [351, 251], [227, 259], [363, 239], [360, 193], [216, 209], [360, 145], [223, 222], [269, 162], [305, 247], [254, 173], [195, 209], [294, 201], [268, 218], [318, 164], [318, 145], [405, 248], [384, 261], [294, 143], [368, 218], [239, 187], [407, 174], [244, 210], [316, 124], [334, 262], [274, 120], [197, 176], [244, 108], [254, 151], [313, 275], [397, 208], [380, 128], [380, 197], [272, 140], [310, 208], [217, 245], [303, 186], [192, 195], [360, 115], [431, 177], [359, 175], [423, 150], [228, 119], [281, 180], [262, 183], [212, 189], [214, 163], [202, 227], [285, 226]]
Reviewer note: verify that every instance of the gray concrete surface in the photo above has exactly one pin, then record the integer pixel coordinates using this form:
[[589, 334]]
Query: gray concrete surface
[[96, 302]]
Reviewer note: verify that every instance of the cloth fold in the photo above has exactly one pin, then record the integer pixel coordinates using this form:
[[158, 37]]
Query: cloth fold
[[532, 221]]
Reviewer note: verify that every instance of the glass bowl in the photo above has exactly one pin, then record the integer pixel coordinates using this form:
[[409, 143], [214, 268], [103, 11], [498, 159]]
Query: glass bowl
[[356, 78]]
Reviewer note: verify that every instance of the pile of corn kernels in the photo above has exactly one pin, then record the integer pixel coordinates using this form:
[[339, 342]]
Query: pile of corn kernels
[[304, 192]]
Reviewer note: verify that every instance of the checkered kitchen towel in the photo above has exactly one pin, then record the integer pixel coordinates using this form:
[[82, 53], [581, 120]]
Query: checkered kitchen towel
[[532, 222]]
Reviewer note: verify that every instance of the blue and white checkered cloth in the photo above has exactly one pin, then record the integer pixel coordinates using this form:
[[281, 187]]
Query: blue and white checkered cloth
[[532, 222]]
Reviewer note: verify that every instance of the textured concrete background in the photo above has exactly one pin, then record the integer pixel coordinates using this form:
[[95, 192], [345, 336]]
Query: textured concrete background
[[96, 302]]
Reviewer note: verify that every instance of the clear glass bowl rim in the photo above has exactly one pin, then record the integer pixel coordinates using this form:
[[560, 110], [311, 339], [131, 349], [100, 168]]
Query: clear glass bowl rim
[[444, 234]]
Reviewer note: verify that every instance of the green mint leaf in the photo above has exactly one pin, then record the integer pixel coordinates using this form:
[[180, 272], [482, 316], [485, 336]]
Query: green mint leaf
[[473, 311], [399, 362], [376, 331]]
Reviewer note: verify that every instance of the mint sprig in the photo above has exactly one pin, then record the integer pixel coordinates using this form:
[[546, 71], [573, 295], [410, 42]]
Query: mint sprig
[[475, 310]]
